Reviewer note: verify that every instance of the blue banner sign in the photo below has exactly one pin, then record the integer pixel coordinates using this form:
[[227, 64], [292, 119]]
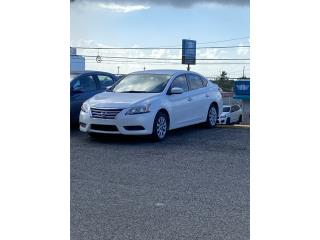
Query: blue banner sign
[[189, 48], [242, 89]]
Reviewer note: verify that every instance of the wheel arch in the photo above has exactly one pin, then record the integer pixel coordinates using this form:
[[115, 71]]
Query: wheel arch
[[216, 106], [165, 111]]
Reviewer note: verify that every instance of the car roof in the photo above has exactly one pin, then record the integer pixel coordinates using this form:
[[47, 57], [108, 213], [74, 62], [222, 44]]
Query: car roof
[[88, 71], [165, 71]]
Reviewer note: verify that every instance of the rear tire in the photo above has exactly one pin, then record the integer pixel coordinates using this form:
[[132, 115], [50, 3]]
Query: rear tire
[[211, 117], [228, 121], [160, 127], [240, 119]]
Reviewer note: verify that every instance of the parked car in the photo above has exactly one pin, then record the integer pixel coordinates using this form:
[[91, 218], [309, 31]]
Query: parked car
[[84, 85], [151, 103], [231, 114]]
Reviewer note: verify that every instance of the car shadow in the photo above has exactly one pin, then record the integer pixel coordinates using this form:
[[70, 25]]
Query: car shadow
[[180, 133]]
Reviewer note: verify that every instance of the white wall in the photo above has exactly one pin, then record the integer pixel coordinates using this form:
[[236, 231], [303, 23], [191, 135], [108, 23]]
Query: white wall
[[77, 63]]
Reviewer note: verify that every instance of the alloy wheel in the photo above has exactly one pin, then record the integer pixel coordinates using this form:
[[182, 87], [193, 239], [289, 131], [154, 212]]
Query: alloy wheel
[[161, 127], [213, 116]]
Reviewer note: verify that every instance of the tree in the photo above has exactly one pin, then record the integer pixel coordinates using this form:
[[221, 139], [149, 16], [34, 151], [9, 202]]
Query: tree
[[223, 76], [224, 83]]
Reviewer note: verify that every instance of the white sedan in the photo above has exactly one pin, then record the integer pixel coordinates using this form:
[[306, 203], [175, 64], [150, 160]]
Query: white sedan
[[231, 114], [151, 103]]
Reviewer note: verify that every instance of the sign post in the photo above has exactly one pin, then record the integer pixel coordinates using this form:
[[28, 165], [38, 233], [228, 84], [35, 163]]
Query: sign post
[[189, 48]]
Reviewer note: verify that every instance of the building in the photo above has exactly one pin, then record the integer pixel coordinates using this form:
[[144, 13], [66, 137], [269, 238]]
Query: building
[[77, 63]]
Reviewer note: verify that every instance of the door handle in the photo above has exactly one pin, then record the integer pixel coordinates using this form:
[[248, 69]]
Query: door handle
[[189, 99]]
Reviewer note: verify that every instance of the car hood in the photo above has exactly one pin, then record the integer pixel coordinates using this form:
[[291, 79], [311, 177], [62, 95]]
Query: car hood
[[119, 100]]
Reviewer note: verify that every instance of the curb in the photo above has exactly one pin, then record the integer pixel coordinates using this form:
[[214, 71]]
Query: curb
[[233, 126]]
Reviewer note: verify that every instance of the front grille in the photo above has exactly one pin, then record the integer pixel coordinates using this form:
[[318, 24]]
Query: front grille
[[107, 128], [104, 113]]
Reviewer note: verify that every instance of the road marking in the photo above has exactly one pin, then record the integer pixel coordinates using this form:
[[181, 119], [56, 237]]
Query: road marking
[[159, 204], [234, 126]]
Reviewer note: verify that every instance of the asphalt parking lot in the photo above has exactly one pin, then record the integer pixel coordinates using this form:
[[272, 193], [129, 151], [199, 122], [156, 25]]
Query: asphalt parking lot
[[194, 185]]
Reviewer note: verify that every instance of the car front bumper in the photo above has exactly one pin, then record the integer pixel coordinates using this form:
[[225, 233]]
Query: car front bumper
[[137, 124], [222, 120]]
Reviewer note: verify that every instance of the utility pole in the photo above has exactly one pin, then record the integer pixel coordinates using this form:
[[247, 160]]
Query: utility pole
[[188, 68], [118, 69], [243, 76]]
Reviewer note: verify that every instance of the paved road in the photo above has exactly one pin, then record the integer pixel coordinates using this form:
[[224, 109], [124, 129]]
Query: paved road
[[194, 185]]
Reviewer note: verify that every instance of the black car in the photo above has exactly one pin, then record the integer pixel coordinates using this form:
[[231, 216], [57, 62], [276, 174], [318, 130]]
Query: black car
[[84, 85]]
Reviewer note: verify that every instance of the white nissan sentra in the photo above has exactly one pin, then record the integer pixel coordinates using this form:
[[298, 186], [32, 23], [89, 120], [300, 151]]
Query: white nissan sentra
[[151, 103]]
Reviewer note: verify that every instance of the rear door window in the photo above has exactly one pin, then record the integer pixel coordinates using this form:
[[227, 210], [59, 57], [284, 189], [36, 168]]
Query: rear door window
[[204, 81], [195, 81]]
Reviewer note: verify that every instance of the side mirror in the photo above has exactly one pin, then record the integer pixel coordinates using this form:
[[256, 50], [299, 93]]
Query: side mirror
[[176, 90], [108, 89]]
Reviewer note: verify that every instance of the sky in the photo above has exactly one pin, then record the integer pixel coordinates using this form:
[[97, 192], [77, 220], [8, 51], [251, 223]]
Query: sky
[[155, 23]]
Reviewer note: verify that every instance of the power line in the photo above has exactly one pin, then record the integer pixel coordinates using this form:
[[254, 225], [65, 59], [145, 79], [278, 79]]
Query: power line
[[165, 63], [219, 41], [152, 48], [224, 40], [173, 59]]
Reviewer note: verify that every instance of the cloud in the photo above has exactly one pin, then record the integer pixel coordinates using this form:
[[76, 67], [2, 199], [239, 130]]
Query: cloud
[[175, 3], [122, 8], [243, 51]]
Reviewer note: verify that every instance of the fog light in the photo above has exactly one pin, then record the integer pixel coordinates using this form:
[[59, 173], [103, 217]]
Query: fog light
[[83, 125]]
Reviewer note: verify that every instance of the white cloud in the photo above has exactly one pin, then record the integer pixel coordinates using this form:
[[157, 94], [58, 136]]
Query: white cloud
[[122, 8], [242, 51]]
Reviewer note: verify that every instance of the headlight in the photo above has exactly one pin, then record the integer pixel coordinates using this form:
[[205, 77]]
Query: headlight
[[139, 109], [85, 107]]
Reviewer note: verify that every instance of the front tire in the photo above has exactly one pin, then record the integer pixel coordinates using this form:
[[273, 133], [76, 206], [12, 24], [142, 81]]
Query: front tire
[[211, 117], [160, 127]]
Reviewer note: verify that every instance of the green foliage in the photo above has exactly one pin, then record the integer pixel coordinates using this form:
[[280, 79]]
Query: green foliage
[[223, 82]]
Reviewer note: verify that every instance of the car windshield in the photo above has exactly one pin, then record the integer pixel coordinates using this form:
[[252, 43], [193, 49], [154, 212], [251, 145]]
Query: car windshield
[[142, 83], [226, 109]]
